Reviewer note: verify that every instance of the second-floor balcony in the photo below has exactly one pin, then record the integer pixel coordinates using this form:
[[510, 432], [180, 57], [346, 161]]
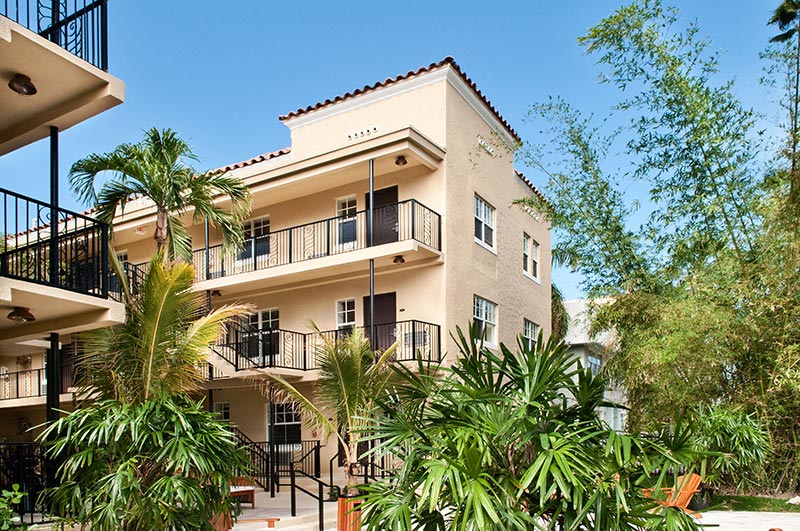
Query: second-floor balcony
[[78, 26], [406, 228], [246, 347]]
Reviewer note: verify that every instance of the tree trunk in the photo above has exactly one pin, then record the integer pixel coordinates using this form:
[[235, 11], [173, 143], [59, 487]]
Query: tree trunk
[[160, 235]]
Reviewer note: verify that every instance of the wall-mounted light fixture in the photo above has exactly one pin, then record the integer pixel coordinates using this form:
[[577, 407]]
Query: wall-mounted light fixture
[[21, 315], [22, 85]]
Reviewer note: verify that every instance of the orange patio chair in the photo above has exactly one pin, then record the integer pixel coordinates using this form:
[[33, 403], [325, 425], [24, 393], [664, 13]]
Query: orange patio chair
[[681, 494]]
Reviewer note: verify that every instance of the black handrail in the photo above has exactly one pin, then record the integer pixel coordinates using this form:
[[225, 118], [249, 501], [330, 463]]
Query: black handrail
[[247, 347], [78, 26], [78, 260], [406, 220], [319, 496]]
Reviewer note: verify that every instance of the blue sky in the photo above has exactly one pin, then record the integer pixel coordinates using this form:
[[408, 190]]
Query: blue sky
[[220, 73]]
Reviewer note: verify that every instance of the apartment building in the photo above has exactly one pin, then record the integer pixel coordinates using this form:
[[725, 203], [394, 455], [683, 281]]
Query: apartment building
[[54, 275], [447, 245]]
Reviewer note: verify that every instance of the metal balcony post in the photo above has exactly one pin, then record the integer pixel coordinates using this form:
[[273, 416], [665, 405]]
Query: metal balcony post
[[290, 245], [53, 269], [105, 275], [208, 252], [371, 260], [55, 17], [104, 36], [328, 237], [413, 220]]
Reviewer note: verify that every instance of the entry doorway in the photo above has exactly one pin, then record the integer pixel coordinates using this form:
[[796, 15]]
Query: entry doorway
[[385, 320], [385, 228]]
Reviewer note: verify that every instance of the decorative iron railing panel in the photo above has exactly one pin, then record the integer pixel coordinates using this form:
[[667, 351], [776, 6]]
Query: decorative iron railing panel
[[407, 220], [78, 26], [22, 384], [74, 257], [24, 464], [247, 347]]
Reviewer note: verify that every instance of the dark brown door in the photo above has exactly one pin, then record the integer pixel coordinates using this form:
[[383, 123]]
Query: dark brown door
[[385, 319], [386, 219]]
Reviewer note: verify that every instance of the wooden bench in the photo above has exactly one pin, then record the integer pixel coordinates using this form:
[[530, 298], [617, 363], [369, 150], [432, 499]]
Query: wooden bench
[[244, 490]]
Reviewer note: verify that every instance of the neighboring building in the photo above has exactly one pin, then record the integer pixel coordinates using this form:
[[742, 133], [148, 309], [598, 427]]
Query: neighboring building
[[448, 245], [53, 75], [590, 350]]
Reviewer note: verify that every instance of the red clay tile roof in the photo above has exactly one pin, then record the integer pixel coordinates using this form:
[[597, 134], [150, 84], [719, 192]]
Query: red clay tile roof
[[535, 190], [402, 77], [256, 160]]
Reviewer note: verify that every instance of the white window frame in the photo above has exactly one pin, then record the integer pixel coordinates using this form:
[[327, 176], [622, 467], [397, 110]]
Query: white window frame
[[530, 331], [346, 213], [485, 312], [248, 226], [531, 262], [485, 214], [342, 312], [223, 410], [594, 363]]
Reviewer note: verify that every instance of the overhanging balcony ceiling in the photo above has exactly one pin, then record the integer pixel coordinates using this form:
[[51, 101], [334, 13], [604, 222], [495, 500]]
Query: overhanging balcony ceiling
[[69, 89]]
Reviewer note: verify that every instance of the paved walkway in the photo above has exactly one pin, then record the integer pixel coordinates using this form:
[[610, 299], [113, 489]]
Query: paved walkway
[[746, 521]]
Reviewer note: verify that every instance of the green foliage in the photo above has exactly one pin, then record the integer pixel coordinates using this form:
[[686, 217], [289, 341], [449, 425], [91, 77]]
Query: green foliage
[[157, 169], [159, 464], [704, 297], [8, 518], [165, 338], [512, 441], [754, 504], [739, 441], [558, 313], [140, 453], [351, 378]]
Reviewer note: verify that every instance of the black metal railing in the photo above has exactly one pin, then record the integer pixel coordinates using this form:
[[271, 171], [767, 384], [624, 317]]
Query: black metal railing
[[22, 384], [406, 220], [78, 26], [54, 247], [135, 275], [24, 464], [259, 458], [247, 347]]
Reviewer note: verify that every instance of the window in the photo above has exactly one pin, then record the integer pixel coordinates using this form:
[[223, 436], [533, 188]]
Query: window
[[346, 314], [286, 428], [484, 222], [346, 220], [223, 411], [256, 238], [484, 313], [593, 363], [530, 331], [530, 256]]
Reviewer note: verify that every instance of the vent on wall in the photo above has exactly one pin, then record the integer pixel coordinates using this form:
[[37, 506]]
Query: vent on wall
[[361, 134]]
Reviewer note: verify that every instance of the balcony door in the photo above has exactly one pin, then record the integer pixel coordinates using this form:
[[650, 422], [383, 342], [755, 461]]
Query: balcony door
[[385, 228], [264, 340], [385, 319]]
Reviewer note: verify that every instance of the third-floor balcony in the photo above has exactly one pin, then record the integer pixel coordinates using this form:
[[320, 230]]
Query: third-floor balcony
[[406, 231]]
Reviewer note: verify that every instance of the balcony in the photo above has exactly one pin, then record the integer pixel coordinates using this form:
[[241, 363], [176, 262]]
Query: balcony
[[248, 348], [31, 383], [337, 245], [78, 26], [64, 53], [53, 262]]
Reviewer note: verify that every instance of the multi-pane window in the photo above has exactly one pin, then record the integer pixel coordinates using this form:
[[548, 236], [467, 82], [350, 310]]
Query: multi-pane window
[[256, 238], [223, 411], [345, 313], [530, 332], [266, 319], [346, 209], [594, 363], [484, 313], [286, 426], [484, 222], [530, 256]]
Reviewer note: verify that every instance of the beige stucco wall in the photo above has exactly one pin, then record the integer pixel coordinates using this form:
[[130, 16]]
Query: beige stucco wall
[[423, 108], [471, 268]]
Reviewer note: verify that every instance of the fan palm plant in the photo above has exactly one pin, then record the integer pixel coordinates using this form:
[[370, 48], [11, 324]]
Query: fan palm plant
[[351, 378], [511, 441], [141, 453], [156, 168]]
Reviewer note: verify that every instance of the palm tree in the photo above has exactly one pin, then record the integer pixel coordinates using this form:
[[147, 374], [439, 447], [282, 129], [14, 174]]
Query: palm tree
[[141, 453], [156, 169], [787, 18], [511, 441], [351, 378]]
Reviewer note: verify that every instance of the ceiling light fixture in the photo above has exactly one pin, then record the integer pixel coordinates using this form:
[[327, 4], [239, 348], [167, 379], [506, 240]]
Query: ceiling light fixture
[[216, 293], [400, 161], [21, 315], [399, 259], [22, 85]]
